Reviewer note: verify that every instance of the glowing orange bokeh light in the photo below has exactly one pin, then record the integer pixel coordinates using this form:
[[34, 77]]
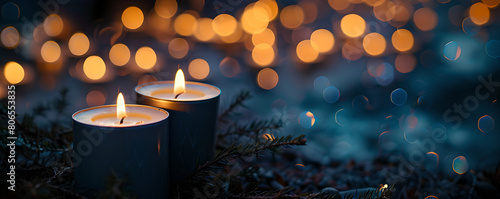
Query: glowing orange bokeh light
[[132, 17], [353, 25], [402, 40]]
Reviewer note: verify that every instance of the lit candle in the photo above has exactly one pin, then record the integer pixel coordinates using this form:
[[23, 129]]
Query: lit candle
[[194, 108], [126, 140]]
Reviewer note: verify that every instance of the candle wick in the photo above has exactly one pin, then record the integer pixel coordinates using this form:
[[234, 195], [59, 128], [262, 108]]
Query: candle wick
[[121, 121], [176, 96]]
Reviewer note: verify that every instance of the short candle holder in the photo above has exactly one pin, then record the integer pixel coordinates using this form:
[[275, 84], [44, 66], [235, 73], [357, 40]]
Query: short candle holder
[[133, 148]]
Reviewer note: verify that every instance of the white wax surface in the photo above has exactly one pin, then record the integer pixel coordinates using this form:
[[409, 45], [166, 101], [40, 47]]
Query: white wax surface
[[106, 116], [195, 91]]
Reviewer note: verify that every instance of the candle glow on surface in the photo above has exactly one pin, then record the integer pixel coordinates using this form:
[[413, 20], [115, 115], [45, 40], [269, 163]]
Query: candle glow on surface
[[164, 90], [179, 83], [111, 115]]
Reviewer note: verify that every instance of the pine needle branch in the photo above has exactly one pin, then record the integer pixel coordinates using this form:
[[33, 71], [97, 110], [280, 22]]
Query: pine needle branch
[[235, 150], [237, 102], [256, 126]]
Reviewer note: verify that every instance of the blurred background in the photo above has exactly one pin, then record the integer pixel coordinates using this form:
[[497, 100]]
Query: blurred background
[[415, 81]]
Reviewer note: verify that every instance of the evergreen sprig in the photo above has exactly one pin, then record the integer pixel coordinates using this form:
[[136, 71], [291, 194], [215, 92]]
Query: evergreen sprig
[[252, 129], [238, 150], [237, 102]]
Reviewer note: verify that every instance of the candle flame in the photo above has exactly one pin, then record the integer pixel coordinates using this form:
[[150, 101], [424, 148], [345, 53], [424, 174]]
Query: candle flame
[[179, 83], [120, 107]]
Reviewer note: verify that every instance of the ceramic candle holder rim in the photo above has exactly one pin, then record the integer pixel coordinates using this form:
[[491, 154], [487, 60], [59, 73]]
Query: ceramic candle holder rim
[[167, 115], [137, 88]]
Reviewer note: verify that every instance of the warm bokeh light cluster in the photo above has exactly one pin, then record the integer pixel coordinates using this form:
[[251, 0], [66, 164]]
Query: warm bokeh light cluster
[[256, 27], [320, 41]]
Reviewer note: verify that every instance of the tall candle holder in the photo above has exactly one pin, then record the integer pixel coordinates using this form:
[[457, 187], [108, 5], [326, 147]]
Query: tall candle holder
[[192, 122]]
